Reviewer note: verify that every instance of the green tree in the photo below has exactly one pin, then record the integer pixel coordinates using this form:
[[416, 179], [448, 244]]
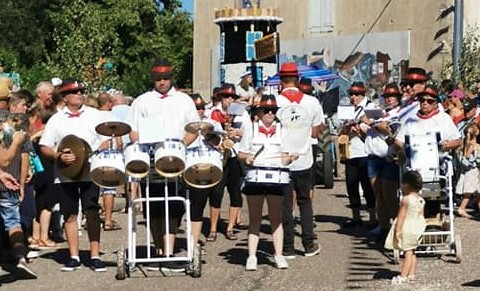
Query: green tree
[[470, 58], [107, 43]]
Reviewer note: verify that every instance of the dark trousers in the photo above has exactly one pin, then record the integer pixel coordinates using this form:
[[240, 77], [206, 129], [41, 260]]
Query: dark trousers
[[301, 183], [356, 172]]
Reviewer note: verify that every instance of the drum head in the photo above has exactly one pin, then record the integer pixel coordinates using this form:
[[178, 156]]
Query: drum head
[[108, 177], [137, 169], [169, 166], [202, 175]]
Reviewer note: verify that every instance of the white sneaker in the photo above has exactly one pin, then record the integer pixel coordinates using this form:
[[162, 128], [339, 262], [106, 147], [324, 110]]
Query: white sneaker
[[281, 262], [251, 263], [32, 255]]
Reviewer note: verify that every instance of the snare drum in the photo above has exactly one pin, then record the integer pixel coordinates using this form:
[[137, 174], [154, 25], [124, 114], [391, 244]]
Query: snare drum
[[170, 157], [137, 161], [423, 154], [204, 168], [108, 168], [267, 176]]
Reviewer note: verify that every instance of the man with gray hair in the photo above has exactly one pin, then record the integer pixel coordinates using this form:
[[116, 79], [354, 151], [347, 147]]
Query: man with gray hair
[[44, 92]]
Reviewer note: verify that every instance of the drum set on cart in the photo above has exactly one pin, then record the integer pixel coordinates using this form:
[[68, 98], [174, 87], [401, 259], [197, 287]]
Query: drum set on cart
[[168, 162]]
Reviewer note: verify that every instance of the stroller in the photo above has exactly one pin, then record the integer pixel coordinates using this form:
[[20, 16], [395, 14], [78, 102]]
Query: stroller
[[424, 155]]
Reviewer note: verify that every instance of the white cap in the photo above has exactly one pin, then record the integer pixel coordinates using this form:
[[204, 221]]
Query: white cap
[[56, 82]]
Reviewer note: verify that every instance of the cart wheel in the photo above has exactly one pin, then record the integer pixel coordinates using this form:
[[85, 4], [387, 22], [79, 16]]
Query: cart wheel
[[396, 257], [121, 265], [196, 265], [458, 249]]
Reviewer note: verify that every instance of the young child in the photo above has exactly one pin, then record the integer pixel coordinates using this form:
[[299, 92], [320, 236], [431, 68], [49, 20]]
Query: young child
[[468, 182], [405, 233]]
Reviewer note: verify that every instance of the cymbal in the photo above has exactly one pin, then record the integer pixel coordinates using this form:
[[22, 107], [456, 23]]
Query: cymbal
[[81, 150], [202, 126], [113, 128]]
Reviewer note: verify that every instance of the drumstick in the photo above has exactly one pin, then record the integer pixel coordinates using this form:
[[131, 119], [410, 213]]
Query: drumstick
[[280, 155], [259, 152]]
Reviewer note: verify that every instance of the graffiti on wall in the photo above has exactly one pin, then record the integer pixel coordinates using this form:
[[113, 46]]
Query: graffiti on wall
[[374, 70]]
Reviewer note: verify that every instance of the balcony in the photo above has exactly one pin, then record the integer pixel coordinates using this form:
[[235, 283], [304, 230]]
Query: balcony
[[247, 14]]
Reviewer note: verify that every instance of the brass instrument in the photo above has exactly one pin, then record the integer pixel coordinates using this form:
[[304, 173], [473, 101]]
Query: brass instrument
[[343, 148], [228, 143]]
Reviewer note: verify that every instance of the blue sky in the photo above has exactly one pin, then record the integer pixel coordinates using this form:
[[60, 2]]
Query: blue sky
[[188, 5]]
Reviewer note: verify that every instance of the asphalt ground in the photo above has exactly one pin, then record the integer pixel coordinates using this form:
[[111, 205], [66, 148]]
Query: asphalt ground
[[346, 261]]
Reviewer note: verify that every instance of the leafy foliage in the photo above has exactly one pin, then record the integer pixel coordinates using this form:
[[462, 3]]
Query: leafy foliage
[[107, 43], [469, 70]]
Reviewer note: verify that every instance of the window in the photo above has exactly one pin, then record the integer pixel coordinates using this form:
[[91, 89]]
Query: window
[[322, 15], [251, 37], [222, 47]]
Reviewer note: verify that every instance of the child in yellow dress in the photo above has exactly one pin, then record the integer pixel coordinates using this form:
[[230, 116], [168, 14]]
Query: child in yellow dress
[[407, 229]]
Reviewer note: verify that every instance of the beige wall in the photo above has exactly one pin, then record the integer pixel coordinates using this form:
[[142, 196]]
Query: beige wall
[[421, 17]]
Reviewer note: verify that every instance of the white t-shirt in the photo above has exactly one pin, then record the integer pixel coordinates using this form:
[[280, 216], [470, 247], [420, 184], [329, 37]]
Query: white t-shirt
[[60, 125], [440, 122], [162, 117], [357, 146], [315, 118], [253, 140]]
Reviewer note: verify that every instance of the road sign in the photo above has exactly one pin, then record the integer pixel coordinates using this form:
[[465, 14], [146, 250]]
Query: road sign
[[267, 46]]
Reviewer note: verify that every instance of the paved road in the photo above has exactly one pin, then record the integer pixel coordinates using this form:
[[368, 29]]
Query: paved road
[[345, 262]]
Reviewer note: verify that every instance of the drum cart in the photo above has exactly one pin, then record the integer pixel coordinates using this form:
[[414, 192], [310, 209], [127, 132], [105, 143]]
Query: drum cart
[[440, 236], [129, 258]]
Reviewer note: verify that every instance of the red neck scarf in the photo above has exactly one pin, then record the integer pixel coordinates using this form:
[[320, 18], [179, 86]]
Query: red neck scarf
[[267, 131], [293, 95], [75, 114], [427, 116]]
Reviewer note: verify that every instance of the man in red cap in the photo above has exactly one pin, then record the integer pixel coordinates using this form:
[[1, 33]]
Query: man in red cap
[[356, 163], [301, 174], [79, 120], [414, 83], [170, 110]]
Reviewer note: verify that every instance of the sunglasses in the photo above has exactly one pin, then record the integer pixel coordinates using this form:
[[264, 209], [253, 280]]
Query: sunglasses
[[428, 100], [200, 107], [266, 110]]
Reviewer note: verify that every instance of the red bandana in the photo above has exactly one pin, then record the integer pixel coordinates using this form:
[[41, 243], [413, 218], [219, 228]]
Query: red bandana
[[293, 95], [219, 116], [427, 116], [267, 131]]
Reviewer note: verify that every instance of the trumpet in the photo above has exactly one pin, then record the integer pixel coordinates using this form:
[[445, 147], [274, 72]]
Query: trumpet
[[228, 143]]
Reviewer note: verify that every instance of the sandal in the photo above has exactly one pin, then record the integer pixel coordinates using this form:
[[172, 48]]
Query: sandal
[[212, 236], [33, 243], [230, 235], [47, 245], [412, 279], [463, 213], [110, 227]]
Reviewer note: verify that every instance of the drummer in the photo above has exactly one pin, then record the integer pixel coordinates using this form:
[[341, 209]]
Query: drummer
[[199, 197], [78, 120], [264, 138], [429, 117], [171, 110]]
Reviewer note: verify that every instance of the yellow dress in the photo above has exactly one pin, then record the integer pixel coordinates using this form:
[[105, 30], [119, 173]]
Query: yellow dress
[[413, 226]]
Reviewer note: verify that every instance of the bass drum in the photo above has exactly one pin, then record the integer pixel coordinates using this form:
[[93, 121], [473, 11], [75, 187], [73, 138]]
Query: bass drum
[[108, 168], [204, 168]]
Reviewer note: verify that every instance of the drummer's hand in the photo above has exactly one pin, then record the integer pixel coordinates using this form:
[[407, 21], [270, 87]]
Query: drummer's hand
[[105, 145], [67, 156], [249, 160], [288, 158], [232, 132]]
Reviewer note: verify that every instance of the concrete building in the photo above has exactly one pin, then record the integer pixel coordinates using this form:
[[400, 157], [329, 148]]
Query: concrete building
[[418, 32]]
